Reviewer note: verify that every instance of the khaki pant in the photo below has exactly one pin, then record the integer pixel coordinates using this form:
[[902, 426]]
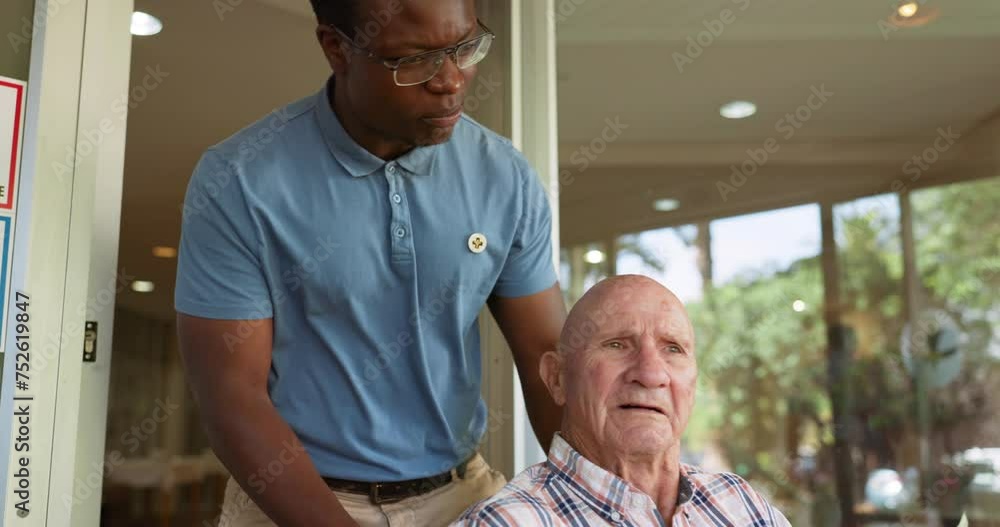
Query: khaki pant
[[436, 508]]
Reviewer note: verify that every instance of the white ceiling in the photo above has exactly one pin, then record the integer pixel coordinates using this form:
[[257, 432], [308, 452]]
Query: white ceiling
[[615, 60]]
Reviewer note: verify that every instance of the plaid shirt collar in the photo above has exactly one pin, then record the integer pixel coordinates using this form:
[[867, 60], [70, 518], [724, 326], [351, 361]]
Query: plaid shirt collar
[[602, 490]]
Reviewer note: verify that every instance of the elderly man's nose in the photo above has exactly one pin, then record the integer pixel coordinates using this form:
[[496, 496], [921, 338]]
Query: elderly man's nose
[[650, 367]]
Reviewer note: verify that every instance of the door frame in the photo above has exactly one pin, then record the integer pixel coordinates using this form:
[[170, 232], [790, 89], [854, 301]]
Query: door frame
[[65, 245]]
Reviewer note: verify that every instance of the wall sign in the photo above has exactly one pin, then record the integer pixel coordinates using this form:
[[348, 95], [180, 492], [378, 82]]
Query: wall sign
[[12, 103], [11, 125]]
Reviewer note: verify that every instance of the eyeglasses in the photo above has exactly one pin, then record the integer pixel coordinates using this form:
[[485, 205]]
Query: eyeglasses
[[422, 67]]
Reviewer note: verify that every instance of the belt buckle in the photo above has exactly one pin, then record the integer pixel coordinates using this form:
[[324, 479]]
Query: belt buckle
[[373, 493]]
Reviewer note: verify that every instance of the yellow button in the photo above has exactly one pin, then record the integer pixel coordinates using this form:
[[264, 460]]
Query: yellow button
[[477, 242]]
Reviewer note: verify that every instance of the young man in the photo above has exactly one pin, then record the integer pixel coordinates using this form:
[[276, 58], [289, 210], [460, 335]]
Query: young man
[[334, 259]]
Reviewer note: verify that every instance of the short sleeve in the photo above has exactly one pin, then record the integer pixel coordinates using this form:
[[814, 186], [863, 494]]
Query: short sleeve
[[219, 272], [529, 268]]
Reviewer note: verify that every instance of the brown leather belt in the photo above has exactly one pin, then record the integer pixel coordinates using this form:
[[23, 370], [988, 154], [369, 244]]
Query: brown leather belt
[[393, 491]]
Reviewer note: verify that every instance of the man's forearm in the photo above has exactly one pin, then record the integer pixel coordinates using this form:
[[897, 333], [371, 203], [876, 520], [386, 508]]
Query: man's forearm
[[544, 414], [251, 439]]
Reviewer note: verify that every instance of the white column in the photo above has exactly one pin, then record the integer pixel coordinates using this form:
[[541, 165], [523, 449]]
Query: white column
[[105, 80], [494, 110], [535, 61], [524, 109]]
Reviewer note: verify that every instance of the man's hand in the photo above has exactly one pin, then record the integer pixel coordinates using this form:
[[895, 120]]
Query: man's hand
[[532, 324], [227, 364]]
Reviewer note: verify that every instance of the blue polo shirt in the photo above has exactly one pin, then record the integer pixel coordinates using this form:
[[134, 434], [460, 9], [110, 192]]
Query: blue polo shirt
[[374, 273]]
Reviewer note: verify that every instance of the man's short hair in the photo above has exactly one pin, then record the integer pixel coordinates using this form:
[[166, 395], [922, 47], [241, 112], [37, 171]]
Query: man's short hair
[[342, 14]]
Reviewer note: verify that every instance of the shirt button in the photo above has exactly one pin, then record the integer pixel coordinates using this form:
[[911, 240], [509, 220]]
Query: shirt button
[[400, 232], [396, 198], [391, 168], [616, 517]]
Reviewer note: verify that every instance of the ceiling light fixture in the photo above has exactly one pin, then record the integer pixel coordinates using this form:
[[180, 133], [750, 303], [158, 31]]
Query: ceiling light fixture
[[908, 9], [143, 286], [161, 251], [910, 14], [666, 205], [738, 109], [145, 24], [594, 256]]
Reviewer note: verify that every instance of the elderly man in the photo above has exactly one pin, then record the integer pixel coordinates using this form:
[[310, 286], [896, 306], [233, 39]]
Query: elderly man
[[625, 376]]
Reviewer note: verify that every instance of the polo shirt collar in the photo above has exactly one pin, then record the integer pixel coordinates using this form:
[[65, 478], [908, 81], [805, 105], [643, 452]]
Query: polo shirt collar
[[357, 161], [596, 484]]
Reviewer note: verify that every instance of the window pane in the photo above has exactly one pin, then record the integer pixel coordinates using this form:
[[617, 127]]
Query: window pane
[[761, 361], [666, 255], [957, 239], [877, 400], [581, 267], [753, 289]]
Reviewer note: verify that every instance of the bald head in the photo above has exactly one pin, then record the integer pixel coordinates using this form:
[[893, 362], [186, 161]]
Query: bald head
[[611, 298], [625, 372]]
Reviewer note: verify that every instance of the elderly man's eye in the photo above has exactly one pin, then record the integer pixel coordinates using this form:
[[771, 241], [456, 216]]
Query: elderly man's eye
[[615, 344], [674, 348]]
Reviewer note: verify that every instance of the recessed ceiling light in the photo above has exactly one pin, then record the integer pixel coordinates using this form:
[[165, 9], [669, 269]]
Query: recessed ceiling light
[[907, 9], [143, 286], [161, 251], [666, 205], [145, 24], [909, 14], [738, 109], [594, 256]]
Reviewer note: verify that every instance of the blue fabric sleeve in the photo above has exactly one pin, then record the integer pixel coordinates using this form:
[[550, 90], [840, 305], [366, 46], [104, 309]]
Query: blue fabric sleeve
[[219, 272], [529, 268]]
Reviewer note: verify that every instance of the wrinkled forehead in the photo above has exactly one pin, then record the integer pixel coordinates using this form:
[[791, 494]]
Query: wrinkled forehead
[[628, 312]]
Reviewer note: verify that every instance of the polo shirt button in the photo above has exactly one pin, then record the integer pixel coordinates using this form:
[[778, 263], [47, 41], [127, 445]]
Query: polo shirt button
[[391, 168], [400, 232], [396, 198]]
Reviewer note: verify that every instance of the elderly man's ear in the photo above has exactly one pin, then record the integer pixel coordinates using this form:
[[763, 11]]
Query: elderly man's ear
[[551, 370]]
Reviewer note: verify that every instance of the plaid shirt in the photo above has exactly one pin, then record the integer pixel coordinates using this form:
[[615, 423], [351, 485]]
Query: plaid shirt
[[569, 490]]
